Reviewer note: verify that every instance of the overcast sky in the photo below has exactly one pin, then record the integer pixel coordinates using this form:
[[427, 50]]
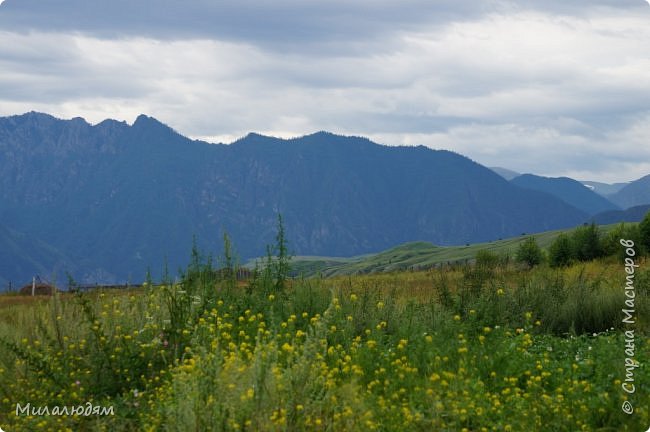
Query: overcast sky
[[552, 87]]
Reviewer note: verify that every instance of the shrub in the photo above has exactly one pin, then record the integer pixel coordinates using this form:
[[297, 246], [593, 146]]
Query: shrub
[[644, 233], [586, 243], [487, 259], [530, 253], [611, 245], [560, 253]]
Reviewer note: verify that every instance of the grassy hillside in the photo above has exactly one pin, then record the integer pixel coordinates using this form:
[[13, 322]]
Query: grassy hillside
[[417, 255]]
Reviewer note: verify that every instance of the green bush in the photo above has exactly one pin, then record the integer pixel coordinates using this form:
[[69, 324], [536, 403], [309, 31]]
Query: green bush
[[611, 245], [560, 253], [586, 243], [644, 234], [529, 253], [487, 259]]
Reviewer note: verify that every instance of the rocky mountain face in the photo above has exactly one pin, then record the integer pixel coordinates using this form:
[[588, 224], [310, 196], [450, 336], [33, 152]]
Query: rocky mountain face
[[115, 199]]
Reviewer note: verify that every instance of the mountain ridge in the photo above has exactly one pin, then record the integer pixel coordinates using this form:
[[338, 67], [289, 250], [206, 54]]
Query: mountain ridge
[[119, 198], [633, 194], [568, 190]]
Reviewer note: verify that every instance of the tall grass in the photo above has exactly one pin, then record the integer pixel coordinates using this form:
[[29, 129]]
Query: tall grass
[[477, 347]]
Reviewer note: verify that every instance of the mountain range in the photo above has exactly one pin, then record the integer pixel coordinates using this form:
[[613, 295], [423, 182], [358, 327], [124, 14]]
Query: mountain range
[[616, 202], [633, 194], [568, 190], [604, 189], [105, 202]]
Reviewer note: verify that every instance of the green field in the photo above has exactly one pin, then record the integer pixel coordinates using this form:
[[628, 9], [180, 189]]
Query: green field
[[490, 347]]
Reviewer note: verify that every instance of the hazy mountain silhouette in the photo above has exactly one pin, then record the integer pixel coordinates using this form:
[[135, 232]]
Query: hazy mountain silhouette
[[633, 214], [568, 190], [23, 256], [604, 189], [635, 193], [505, 172]]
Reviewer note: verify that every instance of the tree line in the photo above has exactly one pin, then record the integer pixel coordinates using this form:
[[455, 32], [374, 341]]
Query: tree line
[[586, 243]]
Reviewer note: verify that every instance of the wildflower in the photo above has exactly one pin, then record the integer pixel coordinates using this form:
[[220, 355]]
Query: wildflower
[[353, 297], [380, 305]]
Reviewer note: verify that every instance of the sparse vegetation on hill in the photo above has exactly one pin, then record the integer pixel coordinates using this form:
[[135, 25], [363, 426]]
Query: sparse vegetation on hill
[[422, 255]]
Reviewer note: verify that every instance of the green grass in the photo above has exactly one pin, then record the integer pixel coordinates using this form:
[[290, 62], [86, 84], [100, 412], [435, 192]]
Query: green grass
[[456, 348], [418, 255]]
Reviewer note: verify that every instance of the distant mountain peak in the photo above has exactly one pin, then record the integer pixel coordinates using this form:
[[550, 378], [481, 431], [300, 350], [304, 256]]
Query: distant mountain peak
[[321, 133], [567, 189], [144, 119], [633, 194], [147, 124], [34, 116]]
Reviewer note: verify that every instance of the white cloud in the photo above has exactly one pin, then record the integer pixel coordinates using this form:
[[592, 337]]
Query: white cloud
[[555, 91]]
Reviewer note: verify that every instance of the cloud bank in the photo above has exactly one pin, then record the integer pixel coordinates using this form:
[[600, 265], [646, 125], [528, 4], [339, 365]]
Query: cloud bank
[[554, 88]]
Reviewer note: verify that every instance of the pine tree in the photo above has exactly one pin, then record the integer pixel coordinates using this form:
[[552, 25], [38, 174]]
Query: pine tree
[[229, 270], [282, 265]]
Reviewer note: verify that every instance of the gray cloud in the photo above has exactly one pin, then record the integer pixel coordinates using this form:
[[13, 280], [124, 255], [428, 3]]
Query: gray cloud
[[549, 87], [289, 25]]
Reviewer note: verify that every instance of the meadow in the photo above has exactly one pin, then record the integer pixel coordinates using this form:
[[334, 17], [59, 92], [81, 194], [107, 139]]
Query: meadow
[[487, 346]]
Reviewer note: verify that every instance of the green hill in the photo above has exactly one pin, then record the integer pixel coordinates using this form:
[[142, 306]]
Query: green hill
[[417, 256]]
